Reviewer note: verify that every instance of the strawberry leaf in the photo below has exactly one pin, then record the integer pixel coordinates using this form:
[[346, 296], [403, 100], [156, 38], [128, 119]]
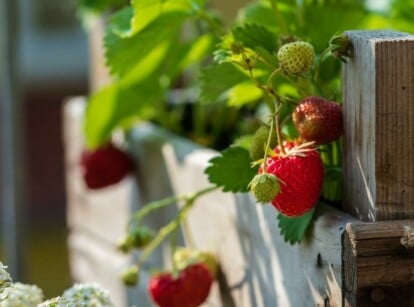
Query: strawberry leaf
[[231, 170], [253, 36], [217, 79], [293, 229], [144, 51]]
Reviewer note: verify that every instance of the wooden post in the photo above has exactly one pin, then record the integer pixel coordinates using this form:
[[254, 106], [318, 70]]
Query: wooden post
[[378, 264], [379, 131]]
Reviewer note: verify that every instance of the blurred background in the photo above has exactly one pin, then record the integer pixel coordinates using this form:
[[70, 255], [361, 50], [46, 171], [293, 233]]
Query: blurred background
[[52, 64]]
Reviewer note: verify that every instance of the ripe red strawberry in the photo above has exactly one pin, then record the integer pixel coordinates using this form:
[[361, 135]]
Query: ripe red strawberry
[[318, 120], [300, 173], [189, 289], [104, 166]]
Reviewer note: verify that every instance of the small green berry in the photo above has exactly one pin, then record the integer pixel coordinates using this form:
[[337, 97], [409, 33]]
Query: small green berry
[[265, 187], [137, 237], [141, 236], [296, 58], [130, 275], [125, 244]]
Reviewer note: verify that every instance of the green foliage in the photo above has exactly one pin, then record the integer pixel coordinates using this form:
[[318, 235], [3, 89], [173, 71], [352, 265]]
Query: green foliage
[[231, 170], [147, 47], [293, 229], [155, 46], [255, 36], [217, 79], [140, 62]]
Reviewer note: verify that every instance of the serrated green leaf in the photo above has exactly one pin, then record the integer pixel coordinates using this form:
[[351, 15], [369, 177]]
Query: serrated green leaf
[[254, 36], [99, 113], [217, 79], [244, 141], [244, 93], [268, 57], [259, 14], [330, 19], [182, 56], [231, 170], [146, 11], [293, 229], [125, 54]]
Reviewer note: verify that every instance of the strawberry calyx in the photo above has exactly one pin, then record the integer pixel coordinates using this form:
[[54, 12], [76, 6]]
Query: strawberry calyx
[[292, 148]]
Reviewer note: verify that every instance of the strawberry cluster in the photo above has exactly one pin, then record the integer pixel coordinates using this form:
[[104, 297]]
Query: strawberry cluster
[[291, 173]]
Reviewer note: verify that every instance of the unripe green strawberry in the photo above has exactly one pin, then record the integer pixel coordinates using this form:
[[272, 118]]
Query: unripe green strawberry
[[265, 187], [130, 276], [296, 58], [318, 120], [185, 256], [137, 237], [258, 145]]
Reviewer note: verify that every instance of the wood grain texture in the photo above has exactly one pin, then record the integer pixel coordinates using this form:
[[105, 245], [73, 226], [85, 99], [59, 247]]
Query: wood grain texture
[[378, 106], [378, 270], [259, 268]]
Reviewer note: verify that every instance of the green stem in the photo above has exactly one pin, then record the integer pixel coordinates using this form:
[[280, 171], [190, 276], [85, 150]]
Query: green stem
[[155, 205], [255, 81], [174, 240], [174, 224], [187, 233], [279, 18], [270, 92], [316, 78], [269, 139], [164, 232], [271, 77], [269, 102], [158, 204], [278, 132]]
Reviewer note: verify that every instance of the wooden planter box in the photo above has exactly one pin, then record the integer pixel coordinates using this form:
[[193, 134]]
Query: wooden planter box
[[360, 260]]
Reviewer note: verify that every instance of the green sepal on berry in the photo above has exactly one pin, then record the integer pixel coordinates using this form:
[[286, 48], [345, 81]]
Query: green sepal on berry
[[184, 256], [340, 47], [265, 187], [296, 58]]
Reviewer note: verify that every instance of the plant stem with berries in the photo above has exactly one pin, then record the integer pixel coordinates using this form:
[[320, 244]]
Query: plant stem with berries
[[172, 227]]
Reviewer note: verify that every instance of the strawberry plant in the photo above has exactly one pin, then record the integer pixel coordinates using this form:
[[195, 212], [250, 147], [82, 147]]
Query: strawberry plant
[[265, 90]]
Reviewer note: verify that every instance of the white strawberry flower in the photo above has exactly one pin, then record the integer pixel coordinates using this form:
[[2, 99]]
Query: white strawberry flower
[[90, 295], [21, 295]]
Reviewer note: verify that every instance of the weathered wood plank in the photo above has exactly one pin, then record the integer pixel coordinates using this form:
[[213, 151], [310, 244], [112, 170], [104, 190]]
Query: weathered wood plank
[[378, 270], [378, 115], [260, 269], [381, 230]]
